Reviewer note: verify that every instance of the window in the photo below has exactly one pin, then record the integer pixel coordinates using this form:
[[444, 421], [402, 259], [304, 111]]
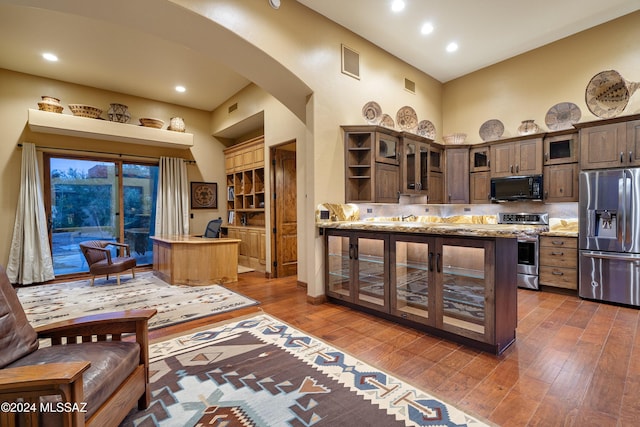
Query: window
[[98, 199]]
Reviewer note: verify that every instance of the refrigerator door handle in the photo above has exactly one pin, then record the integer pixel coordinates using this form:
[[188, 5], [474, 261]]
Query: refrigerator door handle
[[612, 255]]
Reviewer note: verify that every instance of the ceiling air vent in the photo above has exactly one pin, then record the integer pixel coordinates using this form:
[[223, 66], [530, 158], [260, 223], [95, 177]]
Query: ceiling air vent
[[410, 85], [233, 107], [350, 62]]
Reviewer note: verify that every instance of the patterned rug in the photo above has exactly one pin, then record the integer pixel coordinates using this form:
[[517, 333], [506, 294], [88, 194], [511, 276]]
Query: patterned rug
[[262, 372], [175, 304]]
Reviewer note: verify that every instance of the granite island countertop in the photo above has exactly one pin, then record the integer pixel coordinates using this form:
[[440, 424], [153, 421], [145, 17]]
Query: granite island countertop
[[449, 229]]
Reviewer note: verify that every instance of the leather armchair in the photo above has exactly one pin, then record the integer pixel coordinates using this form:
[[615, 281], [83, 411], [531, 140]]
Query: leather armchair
[[97, 366], [98, 256]]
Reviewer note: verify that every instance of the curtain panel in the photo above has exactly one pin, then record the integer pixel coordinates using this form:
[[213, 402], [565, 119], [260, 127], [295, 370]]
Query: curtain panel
[[172, 204], [30, 258]]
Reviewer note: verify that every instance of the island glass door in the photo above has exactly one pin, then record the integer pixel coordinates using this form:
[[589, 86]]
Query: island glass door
[[339, 265], [411, 278], [464, 275], [372, 271]]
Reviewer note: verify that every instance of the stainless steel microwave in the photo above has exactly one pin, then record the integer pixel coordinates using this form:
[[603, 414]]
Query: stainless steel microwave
[[511, 188]]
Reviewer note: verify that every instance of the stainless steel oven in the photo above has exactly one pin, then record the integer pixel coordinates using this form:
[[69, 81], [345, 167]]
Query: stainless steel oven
[[528, 251]]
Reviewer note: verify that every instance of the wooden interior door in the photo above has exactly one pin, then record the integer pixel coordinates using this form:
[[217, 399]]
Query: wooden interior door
[[285, 236]]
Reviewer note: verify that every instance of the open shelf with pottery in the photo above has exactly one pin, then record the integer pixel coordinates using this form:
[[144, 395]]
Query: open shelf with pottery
[[83, 127]]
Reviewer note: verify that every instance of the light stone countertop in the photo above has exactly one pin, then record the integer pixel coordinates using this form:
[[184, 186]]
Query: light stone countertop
[[562, 228], [449, 229]]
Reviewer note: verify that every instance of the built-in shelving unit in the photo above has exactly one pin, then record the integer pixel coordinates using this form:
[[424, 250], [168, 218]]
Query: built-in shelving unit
[[83, 127]]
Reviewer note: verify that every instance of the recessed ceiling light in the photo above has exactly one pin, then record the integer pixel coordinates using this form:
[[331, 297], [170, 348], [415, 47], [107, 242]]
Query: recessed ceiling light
[[427, 28], [274, 4], [50, 56], [181, 89], [397, 5], [452, 47]]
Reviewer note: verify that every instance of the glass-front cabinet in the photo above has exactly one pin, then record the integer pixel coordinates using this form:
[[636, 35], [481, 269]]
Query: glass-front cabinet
[[415, 167], [447, 285], [465, 283], [356, 268], [411, 271]]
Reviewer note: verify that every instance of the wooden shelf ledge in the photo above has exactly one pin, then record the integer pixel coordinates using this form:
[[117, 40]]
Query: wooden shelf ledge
[[82, 127]]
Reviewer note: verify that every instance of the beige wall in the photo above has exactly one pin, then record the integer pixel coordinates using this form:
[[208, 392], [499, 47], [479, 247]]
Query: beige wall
[[19, 92], [526, 86]]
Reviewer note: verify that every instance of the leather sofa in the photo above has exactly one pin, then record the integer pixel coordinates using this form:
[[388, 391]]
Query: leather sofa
[[91, 371]]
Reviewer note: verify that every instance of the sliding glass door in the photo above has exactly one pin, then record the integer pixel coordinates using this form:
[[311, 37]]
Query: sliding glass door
[[97, 199]]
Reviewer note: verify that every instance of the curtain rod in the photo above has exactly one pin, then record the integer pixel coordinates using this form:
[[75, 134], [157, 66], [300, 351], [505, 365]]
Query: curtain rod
[[191, 162]]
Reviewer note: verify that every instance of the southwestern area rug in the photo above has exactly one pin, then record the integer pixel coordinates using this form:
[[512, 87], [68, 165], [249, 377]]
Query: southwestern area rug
[[45, 304], [262, 372]]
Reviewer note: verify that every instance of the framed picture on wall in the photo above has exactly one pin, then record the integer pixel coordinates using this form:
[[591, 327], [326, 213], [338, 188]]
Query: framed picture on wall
[[204, 195]]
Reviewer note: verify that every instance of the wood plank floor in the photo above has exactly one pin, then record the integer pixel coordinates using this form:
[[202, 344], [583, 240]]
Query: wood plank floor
[[574, 363]]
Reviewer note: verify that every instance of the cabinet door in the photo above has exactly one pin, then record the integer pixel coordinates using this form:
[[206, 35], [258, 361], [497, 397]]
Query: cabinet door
[[561, 183], [529, 157], [457, 178], [253, 244], [387, 183], [435, 159], [339, 265], [480, 159], [603, 146], [464, 280], [411, 278], [262, 245], [415, 167], [387, 149], [502, 160], [436, 188], [480, 187], [633, 142], [371, 271], [561, 149]]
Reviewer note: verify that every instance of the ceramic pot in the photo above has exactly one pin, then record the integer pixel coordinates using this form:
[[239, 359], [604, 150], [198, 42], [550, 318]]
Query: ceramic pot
[[528, 127], [118, 113], [176, 124]]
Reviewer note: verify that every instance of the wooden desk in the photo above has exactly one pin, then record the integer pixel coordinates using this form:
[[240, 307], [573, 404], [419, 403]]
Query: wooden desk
[[195, 261]]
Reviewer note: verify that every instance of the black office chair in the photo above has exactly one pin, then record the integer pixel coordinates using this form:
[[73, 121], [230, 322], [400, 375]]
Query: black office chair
[[213, 228]]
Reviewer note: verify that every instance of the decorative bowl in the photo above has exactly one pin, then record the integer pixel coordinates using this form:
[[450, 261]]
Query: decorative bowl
[[151, 123], [52, 108], [82, 110], [455, 138]]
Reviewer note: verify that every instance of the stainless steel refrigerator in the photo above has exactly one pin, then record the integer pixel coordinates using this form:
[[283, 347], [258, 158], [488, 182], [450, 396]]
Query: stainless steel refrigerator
[[609, 238]]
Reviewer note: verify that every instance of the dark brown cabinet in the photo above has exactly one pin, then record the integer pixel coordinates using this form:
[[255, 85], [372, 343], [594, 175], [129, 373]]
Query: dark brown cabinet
[[457, 175], [561, 147], [519, 157], [560, 183], [480, 187], [372, 171], [610, 143], [448, 286]]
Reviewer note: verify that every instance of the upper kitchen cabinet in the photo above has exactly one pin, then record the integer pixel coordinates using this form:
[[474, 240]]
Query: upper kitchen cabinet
[[610, 143], [517, 156], [480, 159], [421, 168], [457, 175], [561, 147], [372, 171]]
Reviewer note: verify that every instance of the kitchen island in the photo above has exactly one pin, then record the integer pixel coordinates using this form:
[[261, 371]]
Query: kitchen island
[[195, 261], [457, 281]]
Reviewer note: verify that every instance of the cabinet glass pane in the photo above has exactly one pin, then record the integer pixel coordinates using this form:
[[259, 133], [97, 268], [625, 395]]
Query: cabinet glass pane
[[412, 279], [435, 159], [339, 265], [410, 166], [371, 278], [559, 149], [387, 149], [463, 287], [480, 159], [424, 171]]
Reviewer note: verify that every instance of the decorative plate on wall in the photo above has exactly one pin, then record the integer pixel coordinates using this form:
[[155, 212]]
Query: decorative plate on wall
[[608, 93], [562, 116], [387, 121], [407, 119], [491, 130], [372, 112], [426, 129]]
